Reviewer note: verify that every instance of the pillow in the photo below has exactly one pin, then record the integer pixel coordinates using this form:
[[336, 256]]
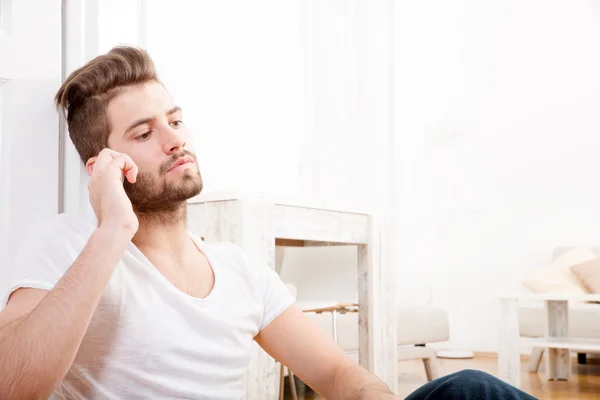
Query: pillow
[[557, 277], [588, 273]]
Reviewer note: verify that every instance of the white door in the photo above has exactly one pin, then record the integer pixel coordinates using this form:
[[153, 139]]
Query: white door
[[30, 74]]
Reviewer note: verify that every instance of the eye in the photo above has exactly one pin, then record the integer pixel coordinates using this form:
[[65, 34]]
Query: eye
[[176, 124], [143, 136]]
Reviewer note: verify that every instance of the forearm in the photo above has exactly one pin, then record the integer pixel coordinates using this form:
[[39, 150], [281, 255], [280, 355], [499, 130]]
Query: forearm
[[38, 349], [355, 383]]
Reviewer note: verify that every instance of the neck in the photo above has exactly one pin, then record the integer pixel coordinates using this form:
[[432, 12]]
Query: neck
[[165, 230]]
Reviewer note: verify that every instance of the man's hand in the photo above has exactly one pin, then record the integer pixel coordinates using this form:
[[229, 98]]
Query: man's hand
[[107, 195], [354, 382]]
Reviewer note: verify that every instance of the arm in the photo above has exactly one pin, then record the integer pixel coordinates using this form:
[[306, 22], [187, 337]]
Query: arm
[[293, 339], [40, 332]]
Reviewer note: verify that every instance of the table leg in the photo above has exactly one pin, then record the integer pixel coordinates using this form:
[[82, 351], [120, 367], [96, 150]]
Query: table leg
[[377, 313], [281, 382], [258, 240], [558, 361], [334, 322], [509, 362], [363, 307]]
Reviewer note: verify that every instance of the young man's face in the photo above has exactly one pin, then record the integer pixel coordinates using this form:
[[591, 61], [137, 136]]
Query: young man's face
[[148, 127]]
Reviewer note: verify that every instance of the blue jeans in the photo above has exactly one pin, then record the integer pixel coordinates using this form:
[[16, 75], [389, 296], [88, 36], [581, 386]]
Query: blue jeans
[[469, 385]]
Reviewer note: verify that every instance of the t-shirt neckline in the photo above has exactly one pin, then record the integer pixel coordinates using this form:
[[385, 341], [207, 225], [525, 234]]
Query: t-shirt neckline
[[202, 248]]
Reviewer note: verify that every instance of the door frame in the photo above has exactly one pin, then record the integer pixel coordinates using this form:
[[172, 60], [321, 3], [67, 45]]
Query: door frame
[[79, 43], [4, 189]]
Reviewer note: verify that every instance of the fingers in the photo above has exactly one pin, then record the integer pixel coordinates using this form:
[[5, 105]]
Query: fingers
[[127, 166], [104, 158], [121, 161]]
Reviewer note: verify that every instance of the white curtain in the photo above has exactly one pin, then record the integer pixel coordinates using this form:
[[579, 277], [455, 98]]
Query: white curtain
[[283, 98]]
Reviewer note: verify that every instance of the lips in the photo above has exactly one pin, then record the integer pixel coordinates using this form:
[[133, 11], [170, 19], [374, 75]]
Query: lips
[[181, 161]]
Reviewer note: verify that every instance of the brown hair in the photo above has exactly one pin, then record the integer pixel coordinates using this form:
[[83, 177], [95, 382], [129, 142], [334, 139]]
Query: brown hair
[[85, 94]]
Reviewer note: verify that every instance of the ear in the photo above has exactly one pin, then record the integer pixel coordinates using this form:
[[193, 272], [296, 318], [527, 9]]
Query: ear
[[89, 165]]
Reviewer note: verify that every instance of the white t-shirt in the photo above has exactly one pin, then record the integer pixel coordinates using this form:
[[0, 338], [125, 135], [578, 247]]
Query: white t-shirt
[[147, 339]]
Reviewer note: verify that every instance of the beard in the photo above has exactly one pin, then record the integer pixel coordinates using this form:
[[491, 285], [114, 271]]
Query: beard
[[163, 199]]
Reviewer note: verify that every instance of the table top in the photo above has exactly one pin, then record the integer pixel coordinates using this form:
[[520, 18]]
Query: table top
[[552, 296], [571, 343], [341, 308], [278, 200]]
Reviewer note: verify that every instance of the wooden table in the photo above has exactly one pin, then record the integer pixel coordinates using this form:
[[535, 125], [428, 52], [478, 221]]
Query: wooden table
[[258, 224], [557, 340]]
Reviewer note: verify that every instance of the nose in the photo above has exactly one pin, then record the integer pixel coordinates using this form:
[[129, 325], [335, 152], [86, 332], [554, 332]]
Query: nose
[[173, 142]]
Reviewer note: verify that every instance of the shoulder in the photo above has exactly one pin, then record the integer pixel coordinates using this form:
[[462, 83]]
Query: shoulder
[[48, 250]]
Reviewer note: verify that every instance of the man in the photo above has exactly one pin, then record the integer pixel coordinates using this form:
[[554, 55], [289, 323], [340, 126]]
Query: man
[[129, 304]]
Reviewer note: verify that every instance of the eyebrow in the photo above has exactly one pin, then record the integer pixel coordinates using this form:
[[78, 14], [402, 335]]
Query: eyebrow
[[143, 121]]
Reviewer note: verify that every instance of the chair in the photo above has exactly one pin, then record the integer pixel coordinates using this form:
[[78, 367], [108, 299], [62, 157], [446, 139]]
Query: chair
[[286, 371], [418, 326]]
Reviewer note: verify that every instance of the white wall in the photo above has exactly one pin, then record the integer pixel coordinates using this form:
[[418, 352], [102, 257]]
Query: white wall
[[497, 142], [30, 57]]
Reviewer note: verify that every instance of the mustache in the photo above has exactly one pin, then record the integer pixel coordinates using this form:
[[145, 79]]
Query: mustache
[[173, 159]]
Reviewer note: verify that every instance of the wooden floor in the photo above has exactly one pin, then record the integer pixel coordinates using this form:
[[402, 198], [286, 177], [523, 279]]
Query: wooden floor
[[585, 383]]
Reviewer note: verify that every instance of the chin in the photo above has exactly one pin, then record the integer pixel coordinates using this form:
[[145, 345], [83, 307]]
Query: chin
[[192, 185]]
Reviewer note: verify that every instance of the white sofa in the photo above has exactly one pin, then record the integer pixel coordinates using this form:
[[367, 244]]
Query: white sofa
[[584, 318]]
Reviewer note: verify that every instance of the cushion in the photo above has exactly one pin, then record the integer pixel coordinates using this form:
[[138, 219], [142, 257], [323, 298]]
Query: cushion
[[588, 273], [557, 277]]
